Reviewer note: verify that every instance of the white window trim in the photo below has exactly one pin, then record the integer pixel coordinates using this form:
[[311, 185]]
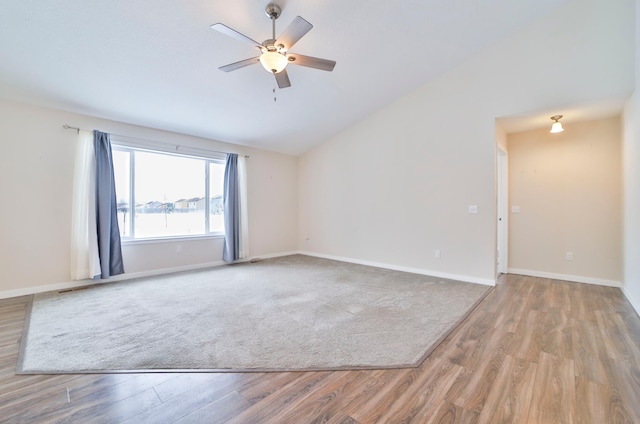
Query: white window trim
[[171, 239], [133, 144], [162, 147]]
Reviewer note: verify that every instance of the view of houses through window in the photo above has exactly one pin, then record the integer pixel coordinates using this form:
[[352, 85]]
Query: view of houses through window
[[171, 193]]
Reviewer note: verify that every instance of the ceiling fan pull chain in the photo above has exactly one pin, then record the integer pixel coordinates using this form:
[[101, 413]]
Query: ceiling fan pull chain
[[274, 94]]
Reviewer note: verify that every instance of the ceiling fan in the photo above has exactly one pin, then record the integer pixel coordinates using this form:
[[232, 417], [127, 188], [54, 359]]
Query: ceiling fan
[[274, 53]]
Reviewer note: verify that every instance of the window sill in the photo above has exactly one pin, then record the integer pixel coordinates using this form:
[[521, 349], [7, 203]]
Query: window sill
[[158, 240]]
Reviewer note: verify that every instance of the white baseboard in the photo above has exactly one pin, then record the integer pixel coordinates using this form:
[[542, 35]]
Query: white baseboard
[[457, 277], [161, 271], [634, 302], [274, 255], [6, 294], [565, 277], [127, 276], [88, 282]]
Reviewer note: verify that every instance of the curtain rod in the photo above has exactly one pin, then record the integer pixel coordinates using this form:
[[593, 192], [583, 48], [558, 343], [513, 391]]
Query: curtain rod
[[69, 127]]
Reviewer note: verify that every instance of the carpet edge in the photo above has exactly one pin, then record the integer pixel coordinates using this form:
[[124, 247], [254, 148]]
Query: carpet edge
[[24, 360], [23, 338], [416, 364], [453, 328]]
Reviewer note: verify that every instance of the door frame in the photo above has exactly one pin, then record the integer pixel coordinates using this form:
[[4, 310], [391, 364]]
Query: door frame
[[502, 218]]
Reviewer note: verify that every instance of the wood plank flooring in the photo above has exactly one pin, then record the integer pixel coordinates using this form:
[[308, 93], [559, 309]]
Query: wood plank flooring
[[534, 351]]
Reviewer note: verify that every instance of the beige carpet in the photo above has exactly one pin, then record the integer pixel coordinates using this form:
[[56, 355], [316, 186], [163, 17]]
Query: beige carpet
[[290, 313]]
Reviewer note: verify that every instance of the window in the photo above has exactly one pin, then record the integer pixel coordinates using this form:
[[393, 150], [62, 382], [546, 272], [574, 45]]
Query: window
[[172, 195]]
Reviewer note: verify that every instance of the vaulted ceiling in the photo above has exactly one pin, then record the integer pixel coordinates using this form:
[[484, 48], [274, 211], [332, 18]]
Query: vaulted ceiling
[[155, 63]]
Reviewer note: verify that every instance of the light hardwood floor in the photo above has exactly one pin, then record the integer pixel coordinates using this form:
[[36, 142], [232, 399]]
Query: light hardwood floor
[[534, 351]]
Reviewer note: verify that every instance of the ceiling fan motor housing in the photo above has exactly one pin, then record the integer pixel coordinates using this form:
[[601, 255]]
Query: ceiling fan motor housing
[[271, 46]]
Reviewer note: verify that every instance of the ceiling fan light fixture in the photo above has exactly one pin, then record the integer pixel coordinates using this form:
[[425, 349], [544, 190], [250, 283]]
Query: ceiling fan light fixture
[[274, 52], [556, 127], [273, 61]]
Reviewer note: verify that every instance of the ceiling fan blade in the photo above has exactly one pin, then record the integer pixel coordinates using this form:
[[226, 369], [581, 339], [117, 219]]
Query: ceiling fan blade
[[294, 32], [311, 62], [234, 34], [282, 78], [241, 64]]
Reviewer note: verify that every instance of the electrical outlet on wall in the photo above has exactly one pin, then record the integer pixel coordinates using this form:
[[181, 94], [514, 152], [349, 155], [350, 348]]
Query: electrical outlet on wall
[[569, 256], [437, 254]]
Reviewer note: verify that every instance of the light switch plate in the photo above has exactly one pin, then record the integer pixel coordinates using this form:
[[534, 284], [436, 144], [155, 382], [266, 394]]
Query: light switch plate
[[473, 208]]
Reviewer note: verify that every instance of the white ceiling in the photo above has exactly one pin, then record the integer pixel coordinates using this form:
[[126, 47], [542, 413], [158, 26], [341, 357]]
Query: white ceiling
[[154, 63]]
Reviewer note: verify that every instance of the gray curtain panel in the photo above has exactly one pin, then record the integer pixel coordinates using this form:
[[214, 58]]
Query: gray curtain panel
[[230, 199], [109, 249]]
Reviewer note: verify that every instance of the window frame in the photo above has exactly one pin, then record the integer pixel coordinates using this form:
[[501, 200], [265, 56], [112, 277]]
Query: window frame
[[131, 147]]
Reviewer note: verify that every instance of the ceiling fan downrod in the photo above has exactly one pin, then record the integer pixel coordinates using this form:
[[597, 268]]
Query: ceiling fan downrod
[[273, 12]]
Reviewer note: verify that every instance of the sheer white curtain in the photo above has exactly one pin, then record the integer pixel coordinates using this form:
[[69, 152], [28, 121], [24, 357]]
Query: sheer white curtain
[[85, 262], [244, 214]]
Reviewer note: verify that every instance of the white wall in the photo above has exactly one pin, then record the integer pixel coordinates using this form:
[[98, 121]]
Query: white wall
[[396, 186], [631, 190], [36, 183], [568, 188]]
